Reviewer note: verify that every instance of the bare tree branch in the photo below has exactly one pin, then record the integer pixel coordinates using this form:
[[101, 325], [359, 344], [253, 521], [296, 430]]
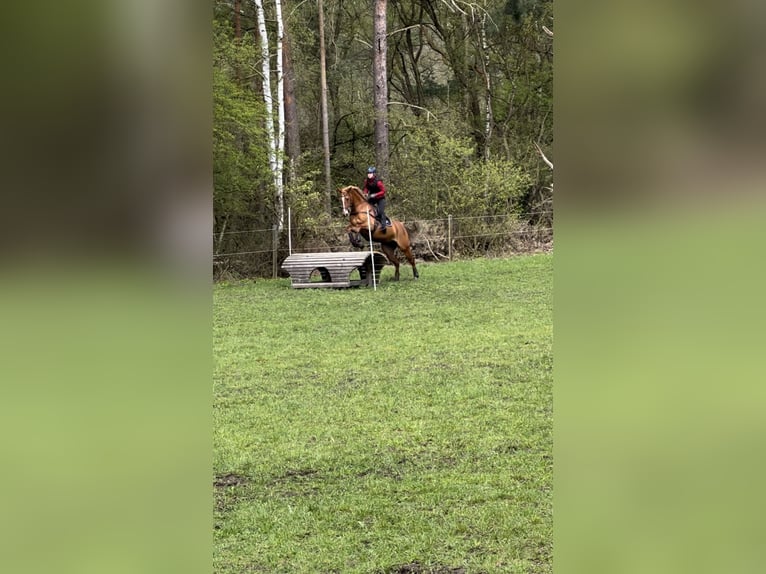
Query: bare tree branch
[[472, 6], [403, 30], [358, 39], [290, 16], [428, 244], [452, 5], [413, 106], [548, 162]]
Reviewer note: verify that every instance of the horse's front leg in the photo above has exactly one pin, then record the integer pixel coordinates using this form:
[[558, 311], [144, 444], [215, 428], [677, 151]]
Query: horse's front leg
[[353, 237]]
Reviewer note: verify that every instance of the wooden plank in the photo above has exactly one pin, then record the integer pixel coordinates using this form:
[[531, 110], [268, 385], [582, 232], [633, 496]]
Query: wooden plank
[[320, 284]]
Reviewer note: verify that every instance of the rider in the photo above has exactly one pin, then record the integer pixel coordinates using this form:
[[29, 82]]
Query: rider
[[376, 195]]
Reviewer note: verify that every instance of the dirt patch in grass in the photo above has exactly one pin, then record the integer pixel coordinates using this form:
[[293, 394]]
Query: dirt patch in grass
[[227, 491], [509, 449], [298, 473], [295, 482], [229, 479], [418, 568]]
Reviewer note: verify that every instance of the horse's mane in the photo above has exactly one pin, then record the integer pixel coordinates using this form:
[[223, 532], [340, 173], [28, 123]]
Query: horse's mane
[[354, 189]]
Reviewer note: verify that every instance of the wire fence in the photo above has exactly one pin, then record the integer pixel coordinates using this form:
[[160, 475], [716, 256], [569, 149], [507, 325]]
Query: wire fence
[[259, 252]]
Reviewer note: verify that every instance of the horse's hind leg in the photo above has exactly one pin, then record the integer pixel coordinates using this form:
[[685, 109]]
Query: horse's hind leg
[[389, 249], [411, 260], [404, 246]]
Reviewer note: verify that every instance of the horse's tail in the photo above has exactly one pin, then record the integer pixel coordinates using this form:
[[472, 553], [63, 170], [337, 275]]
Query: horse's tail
[[412, 228]]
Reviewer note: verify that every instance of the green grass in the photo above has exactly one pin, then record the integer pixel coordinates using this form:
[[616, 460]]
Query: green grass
[[358, 431]]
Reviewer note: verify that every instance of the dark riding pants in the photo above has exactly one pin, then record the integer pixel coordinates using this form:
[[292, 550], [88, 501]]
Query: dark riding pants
[[380, 209]]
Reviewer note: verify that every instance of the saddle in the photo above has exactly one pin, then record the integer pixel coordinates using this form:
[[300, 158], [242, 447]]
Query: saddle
[[375, 216]]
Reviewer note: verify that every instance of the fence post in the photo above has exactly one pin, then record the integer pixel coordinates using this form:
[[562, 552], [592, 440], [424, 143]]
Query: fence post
[[289, 233], [449, 237], [275, 248]]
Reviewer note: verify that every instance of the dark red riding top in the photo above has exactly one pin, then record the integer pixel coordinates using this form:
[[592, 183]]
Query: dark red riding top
[[374, 188]]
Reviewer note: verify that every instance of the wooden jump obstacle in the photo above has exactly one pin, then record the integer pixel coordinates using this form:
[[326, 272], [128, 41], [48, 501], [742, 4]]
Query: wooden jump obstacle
[[335, 268]]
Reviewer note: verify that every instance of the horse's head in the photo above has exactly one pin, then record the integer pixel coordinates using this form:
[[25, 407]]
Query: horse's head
[[350, 196]]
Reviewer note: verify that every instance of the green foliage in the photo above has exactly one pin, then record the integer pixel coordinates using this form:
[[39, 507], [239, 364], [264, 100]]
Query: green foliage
[[427, 169], [239, 153], [434, 446], [304, 198], [490, 187], [437, 174], [521, 57]]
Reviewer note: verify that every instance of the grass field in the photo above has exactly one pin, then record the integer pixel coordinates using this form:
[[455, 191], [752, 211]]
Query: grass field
[[403, 430]]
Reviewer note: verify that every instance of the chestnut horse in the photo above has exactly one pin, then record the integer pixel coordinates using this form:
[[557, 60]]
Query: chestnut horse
[[360, 212]]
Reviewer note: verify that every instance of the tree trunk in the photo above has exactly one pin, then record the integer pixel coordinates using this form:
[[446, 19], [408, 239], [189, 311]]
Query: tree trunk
[[292, 126], [325, 119], [269, 104], [380, 96], [237, 22], [279, 180], [487, 84], [471, 86]]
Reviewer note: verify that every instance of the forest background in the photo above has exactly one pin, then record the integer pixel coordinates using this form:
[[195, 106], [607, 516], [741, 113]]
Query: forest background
[[466, 113]]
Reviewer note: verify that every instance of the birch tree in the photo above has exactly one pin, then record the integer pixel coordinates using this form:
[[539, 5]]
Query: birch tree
[[276, 137], [280, 144], [488, 85], [325, 120]]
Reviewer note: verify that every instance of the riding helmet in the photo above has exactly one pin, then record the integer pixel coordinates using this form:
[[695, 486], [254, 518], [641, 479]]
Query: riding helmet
[[371, 169]]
